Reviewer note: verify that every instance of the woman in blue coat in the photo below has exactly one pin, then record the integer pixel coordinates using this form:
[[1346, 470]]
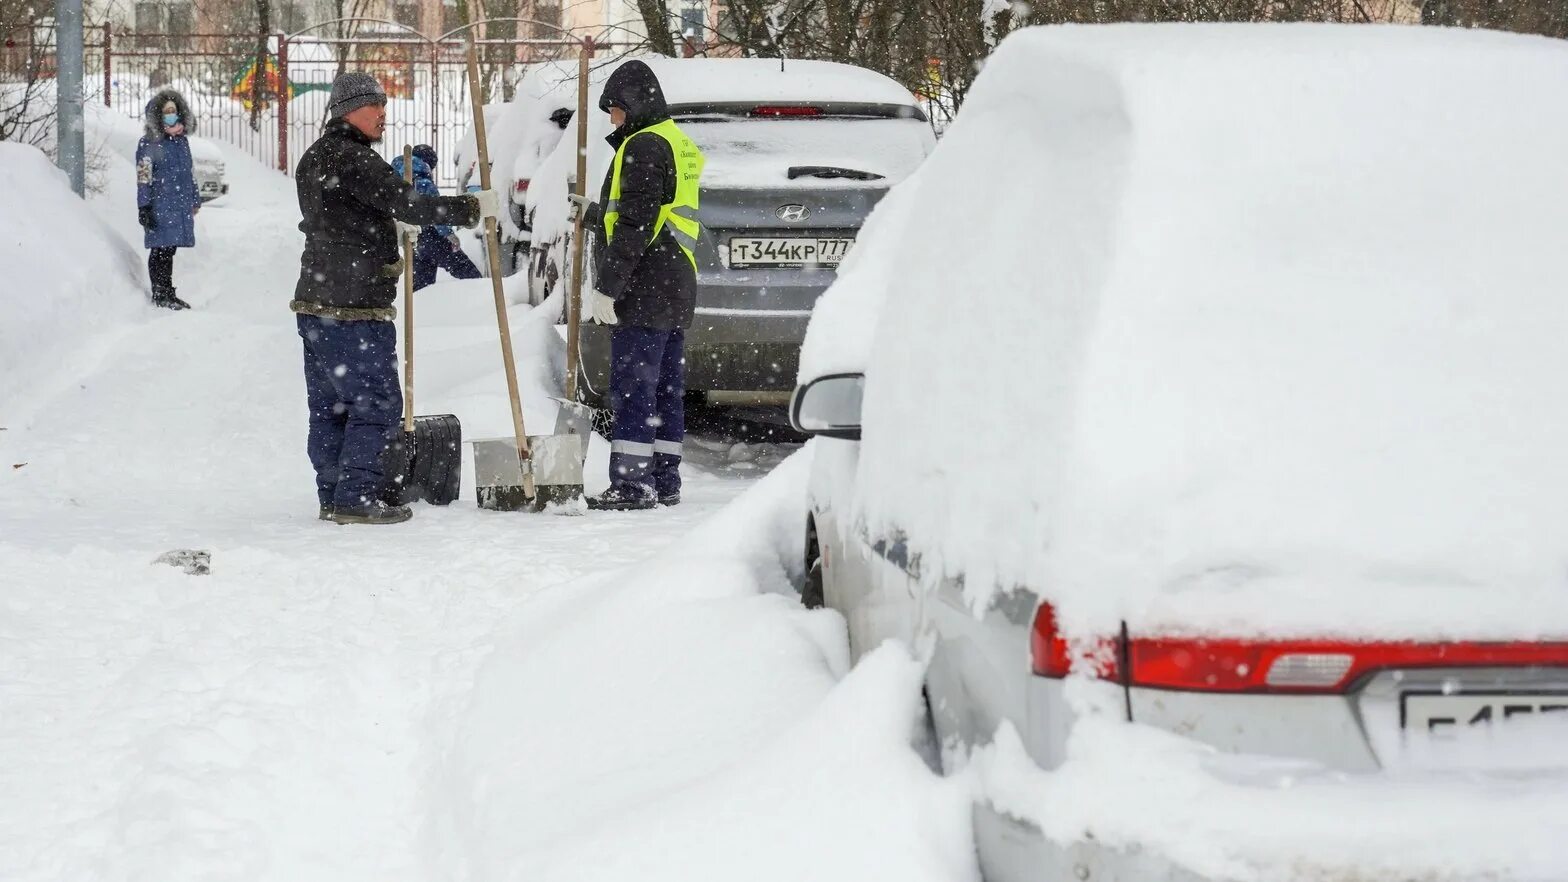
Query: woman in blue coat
[[166, 196]]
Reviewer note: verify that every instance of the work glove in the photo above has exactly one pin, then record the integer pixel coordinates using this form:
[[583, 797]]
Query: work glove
[[601, 307], [144, 217], [489, 204], [588, 208], [406, 230], [451, 238]]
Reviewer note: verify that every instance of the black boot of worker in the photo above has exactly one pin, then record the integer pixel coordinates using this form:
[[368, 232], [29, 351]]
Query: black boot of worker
[[375, 514], [623, 497]]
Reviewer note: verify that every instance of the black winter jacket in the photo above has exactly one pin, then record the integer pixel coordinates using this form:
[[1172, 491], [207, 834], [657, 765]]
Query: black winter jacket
[[654, 286], [349, 197]]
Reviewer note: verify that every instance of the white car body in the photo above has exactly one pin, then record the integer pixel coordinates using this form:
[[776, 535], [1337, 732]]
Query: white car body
[[207, 163], [1229, 530]]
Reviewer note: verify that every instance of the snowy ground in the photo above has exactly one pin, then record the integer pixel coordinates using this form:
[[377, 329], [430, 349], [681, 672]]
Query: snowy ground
[[472, 696]]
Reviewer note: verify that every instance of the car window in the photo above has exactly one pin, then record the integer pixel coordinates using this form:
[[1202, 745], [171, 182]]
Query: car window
[[751, 152]]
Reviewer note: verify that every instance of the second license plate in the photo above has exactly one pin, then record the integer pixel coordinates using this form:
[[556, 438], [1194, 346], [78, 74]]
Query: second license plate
[[749, 251]]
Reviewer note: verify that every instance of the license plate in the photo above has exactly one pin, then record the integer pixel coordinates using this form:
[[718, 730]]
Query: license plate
[[1440, 716], [747, 251]]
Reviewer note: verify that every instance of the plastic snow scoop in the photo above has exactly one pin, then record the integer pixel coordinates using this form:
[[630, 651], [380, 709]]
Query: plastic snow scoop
[[506, 483], [426, 461]]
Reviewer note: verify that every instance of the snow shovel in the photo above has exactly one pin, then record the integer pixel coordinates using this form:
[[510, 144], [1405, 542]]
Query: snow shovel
[[426, 460], [505, 469]]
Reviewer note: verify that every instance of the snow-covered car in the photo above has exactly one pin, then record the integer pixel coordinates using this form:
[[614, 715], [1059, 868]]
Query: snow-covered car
[[797, 156], [1211, 454], [465, 155], [207, 162], [521, 133]]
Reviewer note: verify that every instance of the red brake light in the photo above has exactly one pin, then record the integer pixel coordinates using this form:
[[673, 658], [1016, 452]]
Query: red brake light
[[1054, 656], [1278, 666], [786, 110], [521, 186]]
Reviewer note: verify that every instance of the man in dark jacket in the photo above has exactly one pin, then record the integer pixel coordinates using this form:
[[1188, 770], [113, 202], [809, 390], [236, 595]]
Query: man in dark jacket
[[646, 287], [352, 203]]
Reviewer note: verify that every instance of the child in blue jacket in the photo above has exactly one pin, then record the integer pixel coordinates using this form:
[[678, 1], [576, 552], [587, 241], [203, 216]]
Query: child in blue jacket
[[437, 246]]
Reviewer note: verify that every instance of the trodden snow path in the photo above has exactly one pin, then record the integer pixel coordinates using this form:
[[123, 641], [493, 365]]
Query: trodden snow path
[[401, 703]]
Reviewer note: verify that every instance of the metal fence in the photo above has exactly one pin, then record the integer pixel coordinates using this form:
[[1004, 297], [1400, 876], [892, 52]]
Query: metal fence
[[267, 93]]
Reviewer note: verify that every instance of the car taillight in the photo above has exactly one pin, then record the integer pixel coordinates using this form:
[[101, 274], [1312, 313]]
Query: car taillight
[[1199, 664], [521, 186], [786, 110], [1054, 656]]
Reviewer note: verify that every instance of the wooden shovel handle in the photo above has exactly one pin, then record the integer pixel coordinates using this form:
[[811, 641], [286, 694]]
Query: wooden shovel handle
[[408, 305], [493, 241], [574, 300]]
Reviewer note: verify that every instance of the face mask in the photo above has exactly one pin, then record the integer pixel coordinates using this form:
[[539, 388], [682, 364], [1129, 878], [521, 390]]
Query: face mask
[[171, 119]]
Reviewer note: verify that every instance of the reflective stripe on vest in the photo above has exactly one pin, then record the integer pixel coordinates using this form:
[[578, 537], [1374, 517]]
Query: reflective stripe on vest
[[680, 216]]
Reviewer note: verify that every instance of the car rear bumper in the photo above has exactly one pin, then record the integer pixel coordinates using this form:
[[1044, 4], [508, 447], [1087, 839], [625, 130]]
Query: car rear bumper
[[1015, 850], [727, 350]]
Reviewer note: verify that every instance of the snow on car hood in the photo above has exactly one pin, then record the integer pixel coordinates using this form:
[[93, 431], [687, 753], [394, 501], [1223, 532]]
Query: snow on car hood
[[1254, 329]]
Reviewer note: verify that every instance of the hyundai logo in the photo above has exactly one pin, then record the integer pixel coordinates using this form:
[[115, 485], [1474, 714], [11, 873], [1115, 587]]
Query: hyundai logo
[[793, 214]]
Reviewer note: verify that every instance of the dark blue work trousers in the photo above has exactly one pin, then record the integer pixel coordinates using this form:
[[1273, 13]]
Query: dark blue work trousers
[[356, 406], [432, 251], [647, 396]]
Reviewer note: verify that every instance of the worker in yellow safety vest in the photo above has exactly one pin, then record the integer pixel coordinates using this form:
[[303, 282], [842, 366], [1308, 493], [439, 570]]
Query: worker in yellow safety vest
[[645, 287]]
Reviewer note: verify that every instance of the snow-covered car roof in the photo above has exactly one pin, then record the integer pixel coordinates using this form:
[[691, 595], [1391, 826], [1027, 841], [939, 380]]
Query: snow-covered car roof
[[717, 80], [1230, 329]]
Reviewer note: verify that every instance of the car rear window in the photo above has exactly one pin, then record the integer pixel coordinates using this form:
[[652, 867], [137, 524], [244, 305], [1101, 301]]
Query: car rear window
[[744, 151]]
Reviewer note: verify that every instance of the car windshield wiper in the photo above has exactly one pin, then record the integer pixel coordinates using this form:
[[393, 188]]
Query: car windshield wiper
[[831, 171]]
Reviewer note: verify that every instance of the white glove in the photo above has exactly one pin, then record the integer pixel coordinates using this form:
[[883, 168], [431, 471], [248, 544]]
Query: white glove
[[489, 203], [602, 308], [406, 230]]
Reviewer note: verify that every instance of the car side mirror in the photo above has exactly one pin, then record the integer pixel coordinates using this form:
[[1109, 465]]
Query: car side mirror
[[829, 406]]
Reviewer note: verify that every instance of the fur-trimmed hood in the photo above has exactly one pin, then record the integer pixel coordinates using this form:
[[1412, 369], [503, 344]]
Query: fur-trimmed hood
[[152, 118]]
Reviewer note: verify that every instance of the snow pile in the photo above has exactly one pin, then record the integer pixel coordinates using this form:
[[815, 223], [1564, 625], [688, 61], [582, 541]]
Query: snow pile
[[680, 721], [67, 275], [545, 89], [1232, 329]]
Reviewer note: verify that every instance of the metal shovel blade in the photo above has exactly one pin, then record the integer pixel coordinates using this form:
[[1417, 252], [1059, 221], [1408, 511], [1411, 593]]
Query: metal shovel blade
[[573, 418]]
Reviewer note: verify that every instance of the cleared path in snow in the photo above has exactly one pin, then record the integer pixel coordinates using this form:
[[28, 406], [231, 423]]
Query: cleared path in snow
[[472, 696]]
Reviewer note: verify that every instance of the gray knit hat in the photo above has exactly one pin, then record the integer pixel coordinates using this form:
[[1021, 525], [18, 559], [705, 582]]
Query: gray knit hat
[[353, 90]]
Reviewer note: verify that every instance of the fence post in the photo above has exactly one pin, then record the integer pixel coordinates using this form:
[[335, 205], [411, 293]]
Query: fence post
[[108, 64], [283, 103], [435, 100]]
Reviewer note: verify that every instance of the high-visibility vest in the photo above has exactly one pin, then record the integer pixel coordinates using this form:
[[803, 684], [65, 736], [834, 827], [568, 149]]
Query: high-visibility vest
[[681, 214]]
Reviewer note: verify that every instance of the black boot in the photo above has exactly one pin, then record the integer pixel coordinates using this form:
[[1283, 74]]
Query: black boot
[[164, 297], [628, 497], [377, 513]]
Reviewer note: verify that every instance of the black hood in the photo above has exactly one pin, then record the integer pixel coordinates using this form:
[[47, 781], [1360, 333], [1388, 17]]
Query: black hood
[[634, 88], [153, 114]]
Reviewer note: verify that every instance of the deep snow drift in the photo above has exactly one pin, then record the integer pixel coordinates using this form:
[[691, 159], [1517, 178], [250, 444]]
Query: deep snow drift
[[397, 704], [67, 275]]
